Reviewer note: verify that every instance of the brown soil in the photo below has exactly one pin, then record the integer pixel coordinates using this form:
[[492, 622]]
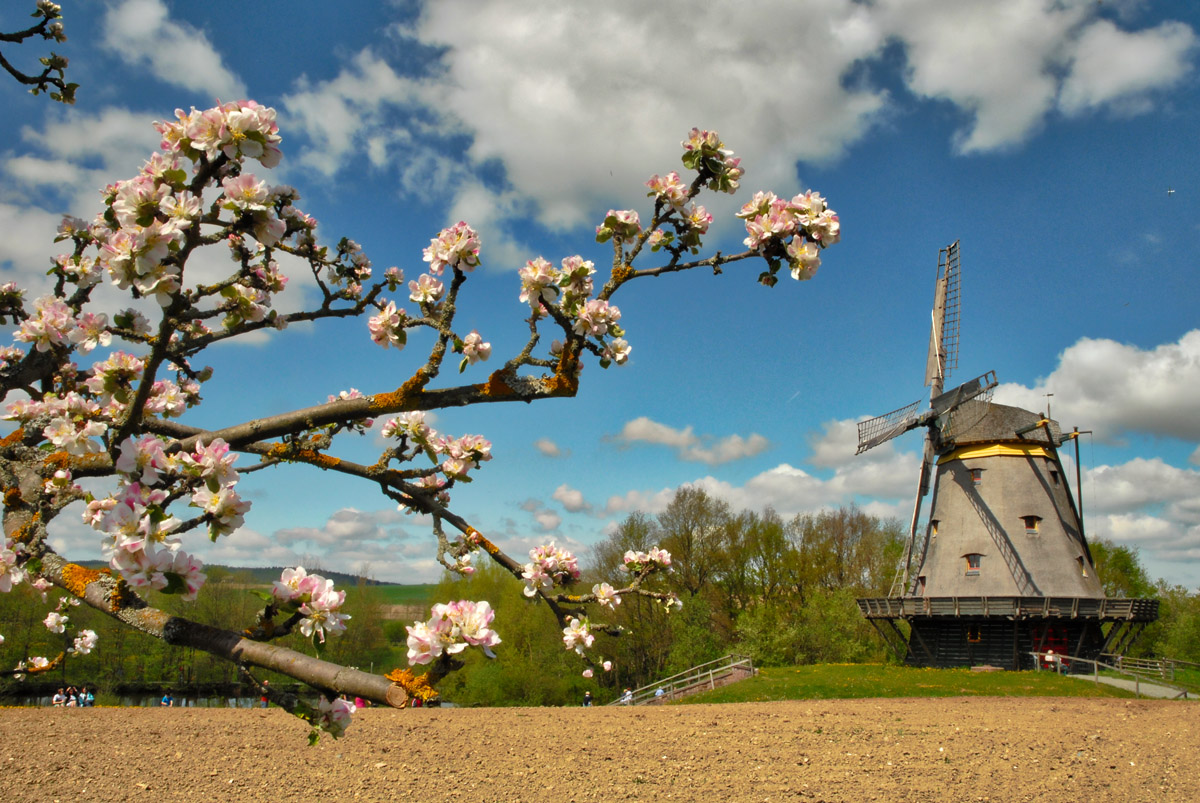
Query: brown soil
[[962, 749]]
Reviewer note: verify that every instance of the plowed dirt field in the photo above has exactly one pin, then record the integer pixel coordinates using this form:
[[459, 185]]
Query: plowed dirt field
[[959, 749]]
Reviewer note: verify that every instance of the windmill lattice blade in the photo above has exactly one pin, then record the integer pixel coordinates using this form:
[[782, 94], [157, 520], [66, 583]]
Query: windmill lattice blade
[[875, 431], [964, 392], [943, 334]]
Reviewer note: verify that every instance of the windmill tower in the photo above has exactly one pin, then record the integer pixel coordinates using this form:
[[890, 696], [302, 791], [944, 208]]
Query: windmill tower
[[1003, 568]]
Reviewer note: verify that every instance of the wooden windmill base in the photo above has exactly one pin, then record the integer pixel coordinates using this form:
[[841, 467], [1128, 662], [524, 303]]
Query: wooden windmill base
[[1006, 632]]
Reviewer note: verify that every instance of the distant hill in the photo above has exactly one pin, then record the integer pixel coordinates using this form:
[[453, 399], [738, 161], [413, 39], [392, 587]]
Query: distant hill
[[268, 575]]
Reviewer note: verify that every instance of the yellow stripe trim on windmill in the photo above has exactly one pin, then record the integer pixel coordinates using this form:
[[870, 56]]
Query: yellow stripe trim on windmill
[[996, 450]]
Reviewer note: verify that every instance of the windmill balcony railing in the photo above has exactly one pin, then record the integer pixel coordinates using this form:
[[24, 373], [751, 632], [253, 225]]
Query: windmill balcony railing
[[1136, 610]]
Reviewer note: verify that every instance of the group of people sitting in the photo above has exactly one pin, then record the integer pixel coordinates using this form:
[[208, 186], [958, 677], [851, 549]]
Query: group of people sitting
[[73, 698]]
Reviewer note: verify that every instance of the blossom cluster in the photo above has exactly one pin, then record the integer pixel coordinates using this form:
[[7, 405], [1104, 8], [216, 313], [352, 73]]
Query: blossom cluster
[[549, 566], [316, 600], [704, 152], [454, 247], [454, 457], [639, 562], [802, 226], [451, 629]]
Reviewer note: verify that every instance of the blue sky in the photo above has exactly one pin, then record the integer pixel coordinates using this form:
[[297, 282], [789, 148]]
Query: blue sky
[[1044, 136]]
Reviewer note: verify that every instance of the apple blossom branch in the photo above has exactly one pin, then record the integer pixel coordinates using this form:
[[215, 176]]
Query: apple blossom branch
[[53, 66], [118, 417]]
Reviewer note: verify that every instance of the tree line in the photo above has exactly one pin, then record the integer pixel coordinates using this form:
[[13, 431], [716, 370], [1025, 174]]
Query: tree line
[[780, 590]]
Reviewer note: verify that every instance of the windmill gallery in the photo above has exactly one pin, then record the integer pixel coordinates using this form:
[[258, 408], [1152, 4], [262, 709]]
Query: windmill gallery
[[1003, 572]]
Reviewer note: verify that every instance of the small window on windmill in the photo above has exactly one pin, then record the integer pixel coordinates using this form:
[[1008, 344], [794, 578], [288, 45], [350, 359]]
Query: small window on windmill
[[933, 525], [973, 561], [1082, 566], [1031, 524], [973, 635], [1054, 477], [976, 475]]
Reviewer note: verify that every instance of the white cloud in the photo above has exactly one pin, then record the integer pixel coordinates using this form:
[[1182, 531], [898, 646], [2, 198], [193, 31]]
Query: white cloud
[[347, 114], [572, 500], [538, 83], [547, 447], [1139, 484], [688, 445], [141, 33], [348, 527], [836, 444], [1110, 65], [547, 519], [1113, 389], [645, 501], [1009, 65]]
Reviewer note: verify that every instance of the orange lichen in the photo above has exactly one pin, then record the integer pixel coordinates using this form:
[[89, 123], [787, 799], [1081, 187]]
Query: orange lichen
[[564, 383], [282, 451], [60, 461], [416, 685], [496, 387], [76, 578], [12, 497], [402, 398], [12, 438], [477, 537], [622, 274]]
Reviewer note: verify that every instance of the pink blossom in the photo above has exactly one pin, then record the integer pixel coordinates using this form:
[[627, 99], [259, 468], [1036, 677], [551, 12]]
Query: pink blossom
[[334, 716], [596, 317], [387, 328], [49, 326], [537, 283], [426, 290], [606, 595], [456, 247], [670, 189], [577, 635], [84, 642], [91, 331], [55, 622], [143, 460], [10, 572], [474, 349]]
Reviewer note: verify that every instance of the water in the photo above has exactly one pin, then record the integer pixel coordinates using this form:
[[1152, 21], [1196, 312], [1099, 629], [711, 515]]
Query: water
[[145, 701]]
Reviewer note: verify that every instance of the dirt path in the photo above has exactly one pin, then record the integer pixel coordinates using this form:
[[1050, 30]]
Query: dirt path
[[961, 749]]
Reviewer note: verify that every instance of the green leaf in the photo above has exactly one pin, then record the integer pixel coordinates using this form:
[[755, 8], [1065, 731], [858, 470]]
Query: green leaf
[[265, 596]]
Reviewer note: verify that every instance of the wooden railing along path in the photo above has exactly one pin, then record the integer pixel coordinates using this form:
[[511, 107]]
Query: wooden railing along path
[[704, 677]]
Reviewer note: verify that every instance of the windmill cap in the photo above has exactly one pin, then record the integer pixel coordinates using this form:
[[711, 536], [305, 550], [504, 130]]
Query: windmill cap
[[984, 422]]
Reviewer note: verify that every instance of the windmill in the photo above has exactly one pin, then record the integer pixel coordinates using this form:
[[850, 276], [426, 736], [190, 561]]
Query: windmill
[[1003, 570]]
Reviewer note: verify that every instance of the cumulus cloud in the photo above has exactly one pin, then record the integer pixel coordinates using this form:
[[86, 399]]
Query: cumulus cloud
[[1114, 388], [547, 447], [346, 116], [348, 527], [531, 84], [1111, 66], [141, 33], [1141, 484], [572, 499], [689, 446], [529, 77], [1008, 66]]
